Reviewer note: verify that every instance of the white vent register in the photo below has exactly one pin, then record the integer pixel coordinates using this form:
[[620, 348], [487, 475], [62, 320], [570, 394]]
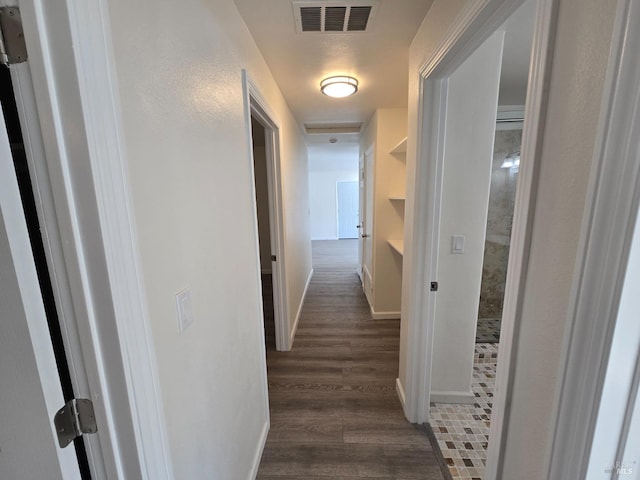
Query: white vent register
[[333, 16]]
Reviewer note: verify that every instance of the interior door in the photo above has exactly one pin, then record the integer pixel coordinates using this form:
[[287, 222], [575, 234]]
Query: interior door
[[361, 213], [348, 216], [30, 391], [366, 230]]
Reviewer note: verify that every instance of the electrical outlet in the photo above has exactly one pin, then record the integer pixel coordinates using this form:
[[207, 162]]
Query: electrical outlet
[[184, 309]]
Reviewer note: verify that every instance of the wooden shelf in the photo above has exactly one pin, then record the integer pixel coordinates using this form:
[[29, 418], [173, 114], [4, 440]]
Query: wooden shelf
[[397, 245], [400, 147], [397, 199]]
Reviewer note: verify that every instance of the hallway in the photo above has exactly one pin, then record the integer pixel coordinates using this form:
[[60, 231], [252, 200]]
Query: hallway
[[334, 409]]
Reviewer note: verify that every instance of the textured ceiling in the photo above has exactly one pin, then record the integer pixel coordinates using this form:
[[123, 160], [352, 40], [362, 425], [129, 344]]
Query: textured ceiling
[[377, 57], [299, 61]]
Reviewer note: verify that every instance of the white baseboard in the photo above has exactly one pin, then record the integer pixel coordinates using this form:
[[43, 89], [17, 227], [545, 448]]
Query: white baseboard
[[452, 397], [299, 313], [401, 395], [384, 315], [258, 455]]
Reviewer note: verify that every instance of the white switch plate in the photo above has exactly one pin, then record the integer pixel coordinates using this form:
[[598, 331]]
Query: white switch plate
[[457, 244], [184, 309]]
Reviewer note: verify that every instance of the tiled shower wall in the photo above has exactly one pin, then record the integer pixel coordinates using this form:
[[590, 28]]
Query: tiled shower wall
[[499, 220]]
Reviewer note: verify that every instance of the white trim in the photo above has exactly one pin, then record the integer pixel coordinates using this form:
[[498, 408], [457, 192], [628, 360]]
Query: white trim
[[611, 210], [299, 312], [510, 117], [510, 112], [384, 315], [427, 188], [81, 127], [257, 106], [367, 282], [25, 307], [257, 457], [474, 25], [400, 391], [452, 397], [59, 272]]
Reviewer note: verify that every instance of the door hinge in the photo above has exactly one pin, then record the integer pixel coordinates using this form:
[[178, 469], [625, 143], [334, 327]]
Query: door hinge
[[273, 258], [73, 420], [434, 286], [13, 48]]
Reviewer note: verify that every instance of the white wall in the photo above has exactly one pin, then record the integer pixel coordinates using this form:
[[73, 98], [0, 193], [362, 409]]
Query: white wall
[[327, 166], [179, 71], [579, 63], [472, 102]]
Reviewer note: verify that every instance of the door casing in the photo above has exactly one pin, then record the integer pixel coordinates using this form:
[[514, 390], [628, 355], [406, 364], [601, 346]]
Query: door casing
[[257, 106], [479, 20], [72, 131]]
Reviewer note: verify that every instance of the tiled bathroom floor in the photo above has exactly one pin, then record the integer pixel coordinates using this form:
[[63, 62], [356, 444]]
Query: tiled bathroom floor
[[488, 330], [463, 430]]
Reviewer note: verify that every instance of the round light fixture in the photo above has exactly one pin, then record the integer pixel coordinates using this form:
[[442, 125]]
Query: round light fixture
[[338, 87]]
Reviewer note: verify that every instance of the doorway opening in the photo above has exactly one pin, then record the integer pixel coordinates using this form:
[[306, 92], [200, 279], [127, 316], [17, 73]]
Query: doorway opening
[[265, 151], [30, 210], [480, 174], [333, 191], [334, 204], [448, 232], [258, 137]]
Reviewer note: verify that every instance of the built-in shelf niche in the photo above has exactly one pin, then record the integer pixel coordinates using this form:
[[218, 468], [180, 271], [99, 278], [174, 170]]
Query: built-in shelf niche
[[397, 245], [400, 147], [400, 152]]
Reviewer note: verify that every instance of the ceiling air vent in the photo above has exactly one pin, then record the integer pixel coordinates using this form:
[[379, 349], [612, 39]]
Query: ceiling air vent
[[333, 16], [311, 19]]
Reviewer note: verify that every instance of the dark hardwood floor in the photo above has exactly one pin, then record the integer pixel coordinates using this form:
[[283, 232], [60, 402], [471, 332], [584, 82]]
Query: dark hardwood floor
[[334, 409]]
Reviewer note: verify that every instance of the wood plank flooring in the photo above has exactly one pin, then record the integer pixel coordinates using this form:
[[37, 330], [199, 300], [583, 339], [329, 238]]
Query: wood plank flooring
[[334, 409]]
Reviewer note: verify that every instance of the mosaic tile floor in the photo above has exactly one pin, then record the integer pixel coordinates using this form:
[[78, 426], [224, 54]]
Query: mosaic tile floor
[[488, 330], [463, 430]]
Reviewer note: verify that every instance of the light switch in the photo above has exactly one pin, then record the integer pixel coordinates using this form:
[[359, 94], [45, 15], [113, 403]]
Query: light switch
[[457, 244], [184, 309]]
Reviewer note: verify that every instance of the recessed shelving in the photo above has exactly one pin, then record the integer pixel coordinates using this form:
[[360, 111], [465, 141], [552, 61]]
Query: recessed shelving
[[400, 147], [397, 245], [397, 199]]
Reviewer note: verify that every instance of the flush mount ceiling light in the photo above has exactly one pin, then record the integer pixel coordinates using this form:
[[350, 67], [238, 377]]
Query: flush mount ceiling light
[[338, 87]]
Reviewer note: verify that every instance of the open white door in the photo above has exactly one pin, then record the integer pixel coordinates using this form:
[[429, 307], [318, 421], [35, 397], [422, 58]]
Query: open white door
[[366, 230], [30, 391]]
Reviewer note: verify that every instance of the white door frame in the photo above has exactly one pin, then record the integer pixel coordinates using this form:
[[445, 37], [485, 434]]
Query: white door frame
[[257, 106], [30, 353], [612, 205], [479, 20], [68, 96]]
